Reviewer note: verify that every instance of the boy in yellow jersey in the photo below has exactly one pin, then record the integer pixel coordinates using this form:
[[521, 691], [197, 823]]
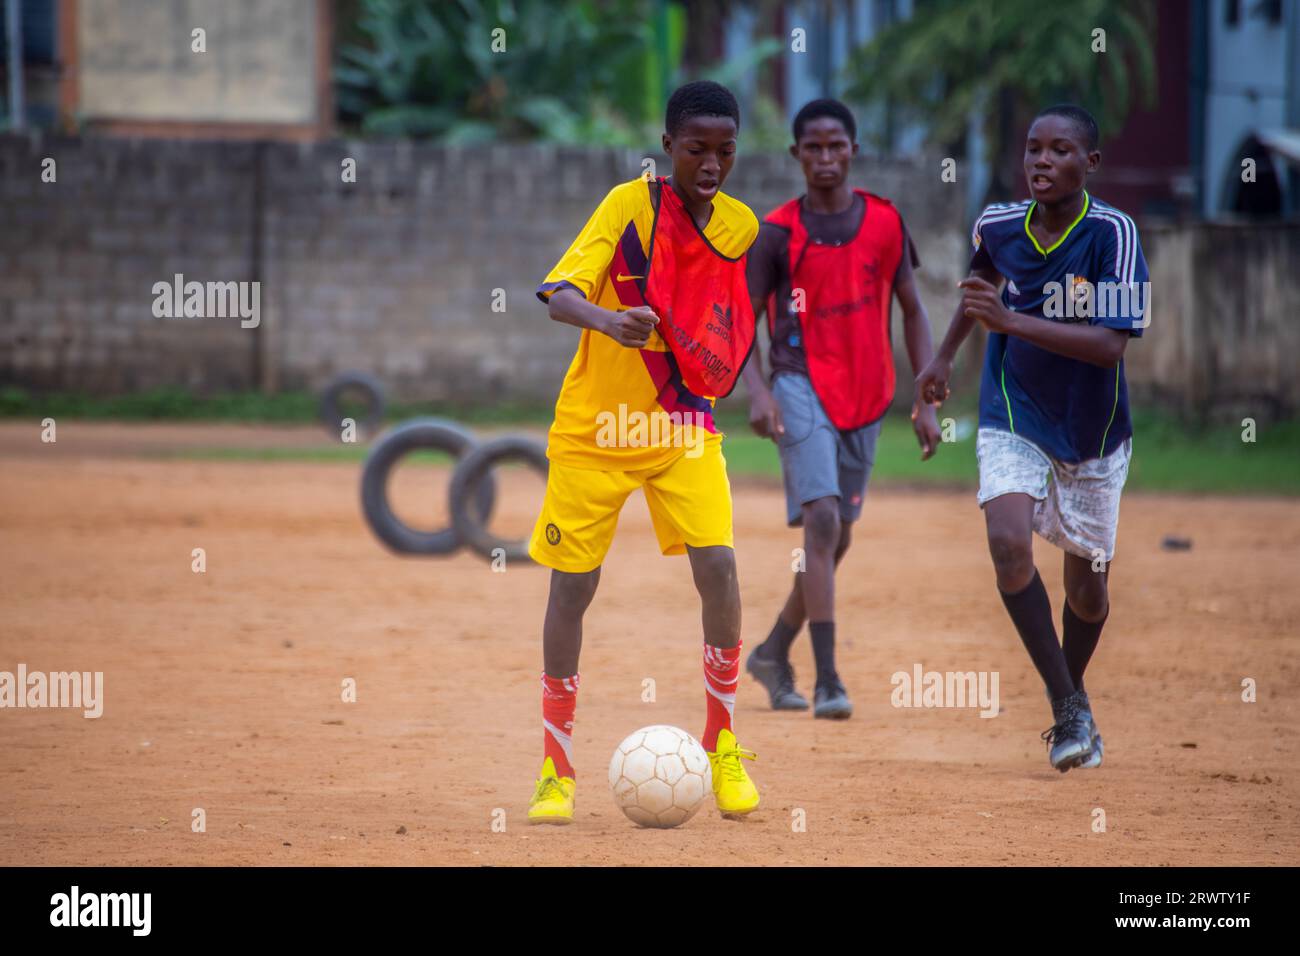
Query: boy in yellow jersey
[[626, 419]]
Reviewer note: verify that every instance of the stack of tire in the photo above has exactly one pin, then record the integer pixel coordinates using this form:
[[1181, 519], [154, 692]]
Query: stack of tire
[[473, 488], [472, 494]]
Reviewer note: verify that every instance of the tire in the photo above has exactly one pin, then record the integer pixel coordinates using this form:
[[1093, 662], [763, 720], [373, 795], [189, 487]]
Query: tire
[[330, 415], [475, 470], [421, 434]]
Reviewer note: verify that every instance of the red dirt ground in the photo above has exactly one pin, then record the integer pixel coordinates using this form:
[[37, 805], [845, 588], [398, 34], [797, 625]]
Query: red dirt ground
[[223, 689]]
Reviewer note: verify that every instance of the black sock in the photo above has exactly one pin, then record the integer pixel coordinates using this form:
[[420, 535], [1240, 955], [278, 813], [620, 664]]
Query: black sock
[[777, 645], [1080, 639], [1031, 612], [823, 642]]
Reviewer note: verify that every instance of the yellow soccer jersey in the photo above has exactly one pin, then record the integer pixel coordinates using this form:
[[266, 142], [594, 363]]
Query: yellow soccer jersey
[[620, 408]]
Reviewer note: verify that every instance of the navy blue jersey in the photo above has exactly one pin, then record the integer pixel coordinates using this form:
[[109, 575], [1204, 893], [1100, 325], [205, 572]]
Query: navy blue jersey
[[1095, 273]]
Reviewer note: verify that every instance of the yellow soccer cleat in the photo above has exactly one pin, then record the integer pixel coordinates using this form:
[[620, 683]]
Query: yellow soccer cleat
[[733, 791], [553, 799]]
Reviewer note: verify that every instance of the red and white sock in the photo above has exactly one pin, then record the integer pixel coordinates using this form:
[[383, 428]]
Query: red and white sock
[[559, 701], [721, 674]]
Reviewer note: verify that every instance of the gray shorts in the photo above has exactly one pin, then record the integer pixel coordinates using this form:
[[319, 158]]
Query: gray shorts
[[1076, 507], [817, 459]]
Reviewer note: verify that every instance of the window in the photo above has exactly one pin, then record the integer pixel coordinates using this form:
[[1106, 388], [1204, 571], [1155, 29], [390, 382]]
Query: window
[[38, 31]]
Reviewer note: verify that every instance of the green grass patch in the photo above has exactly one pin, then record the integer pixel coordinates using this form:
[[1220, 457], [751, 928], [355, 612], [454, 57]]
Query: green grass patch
[[1167, 455], [1170, 457], [286, 408], [898, 456], [323, 453]]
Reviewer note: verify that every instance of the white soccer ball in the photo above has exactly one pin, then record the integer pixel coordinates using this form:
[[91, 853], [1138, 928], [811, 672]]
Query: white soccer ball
[[660, 776]]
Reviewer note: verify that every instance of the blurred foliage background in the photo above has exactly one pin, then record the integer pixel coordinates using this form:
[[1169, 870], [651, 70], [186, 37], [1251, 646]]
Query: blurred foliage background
[[581, 71], [1004, 61], [970, 73]]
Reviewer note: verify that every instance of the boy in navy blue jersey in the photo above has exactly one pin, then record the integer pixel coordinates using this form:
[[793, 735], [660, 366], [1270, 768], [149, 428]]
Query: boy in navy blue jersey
[[1054, 436]]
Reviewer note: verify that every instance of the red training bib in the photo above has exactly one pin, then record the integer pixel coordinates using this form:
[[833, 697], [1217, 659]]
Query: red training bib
[[845, 316], [701, 298]]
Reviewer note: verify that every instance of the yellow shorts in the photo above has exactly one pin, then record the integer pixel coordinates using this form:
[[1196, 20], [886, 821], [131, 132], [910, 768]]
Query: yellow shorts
[[689, 501]]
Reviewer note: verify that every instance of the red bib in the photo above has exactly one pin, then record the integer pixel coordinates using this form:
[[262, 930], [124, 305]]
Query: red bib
[[701, 298], [845, 316]]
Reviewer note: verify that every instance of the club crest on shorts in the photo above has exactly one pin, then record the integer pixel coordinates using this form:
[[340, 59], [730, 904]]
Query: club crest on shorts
[[552, 534]]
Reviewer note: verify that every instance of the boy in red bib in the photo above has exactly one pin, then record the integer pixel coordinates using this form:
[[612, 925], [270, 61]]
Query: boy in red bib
[[825, 268]]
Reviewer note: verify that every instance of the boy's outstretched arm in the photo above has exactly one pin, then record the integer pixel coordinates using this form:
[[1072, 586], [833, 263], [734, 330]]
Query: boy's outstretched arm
[[630, 328], [932, 383], [1095, 344], [920, 352], [764, 413]]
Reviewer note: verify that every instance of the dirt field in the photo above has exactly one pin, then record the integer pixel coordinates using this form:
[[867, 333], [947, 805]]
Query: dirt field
[[222, 690]]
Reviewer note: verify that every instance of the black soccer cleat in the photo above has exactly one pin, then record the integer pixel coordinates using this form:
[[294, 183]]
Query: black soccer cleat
[[1069, 740], [831, 701], [1093, 759], [778, 678]]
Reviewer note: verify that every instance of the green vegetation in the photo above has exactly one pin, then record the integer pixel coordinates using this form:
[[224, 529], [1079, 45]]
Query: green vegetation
[[1005, 61], [320, 453], [286, 408], [585, 71], [898, 456], [448, 72], [1167, 456]]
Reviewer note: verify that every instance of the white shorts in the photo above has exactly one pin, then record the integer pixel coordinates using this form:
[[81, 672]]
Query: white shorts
[[1076, 506]]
